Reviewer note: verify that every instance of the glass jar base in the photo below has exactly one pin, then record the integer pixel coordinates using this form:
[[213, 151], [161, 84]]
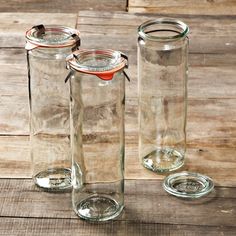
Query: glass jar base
[[56, 179], [98, 208], [163, 160]]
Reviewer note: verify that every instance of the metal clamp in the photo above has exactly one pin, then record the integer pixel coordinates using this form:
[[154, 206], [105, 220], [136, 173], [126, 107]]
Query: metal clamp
[[126, 65], [40, 30], [77, 42]]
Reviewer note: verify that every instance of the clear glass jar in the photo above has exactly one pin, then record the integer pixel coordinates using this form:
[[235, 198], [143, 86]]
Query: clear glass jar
[[47, 47], [162, 85], [97, 94]]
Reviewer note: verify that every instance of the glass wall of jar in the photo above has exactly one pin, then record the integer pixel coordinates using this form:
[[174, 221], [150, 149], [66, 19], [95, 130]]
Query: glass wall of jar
[[162, 85], [47, 47], [97, 93]]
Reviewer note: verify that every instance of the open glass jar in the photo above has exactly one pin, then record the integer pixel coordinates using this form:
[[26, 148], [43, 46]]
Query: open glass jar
[[162, 75]]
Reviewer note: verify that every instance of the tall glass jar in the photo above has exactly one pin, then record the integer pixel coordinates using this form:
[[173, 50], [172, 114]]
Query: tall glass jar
[[162, 85], [47, 47], [97, 94]]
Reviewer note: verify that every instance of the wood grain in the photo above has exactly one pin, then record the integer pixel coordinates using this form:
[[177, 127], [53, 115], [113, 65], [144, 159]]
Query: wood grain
[[14, 25], [121, 32], [211, 110], [145, 202], [59, 6], [218, 163], [203, 7], [218, 84], [75, 227], [149, 210]]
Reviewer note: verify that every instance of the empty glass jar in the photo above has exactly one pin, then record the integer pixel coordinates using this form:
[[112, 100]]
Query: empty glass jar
[[162, 75], [47, 48], [97, 93]]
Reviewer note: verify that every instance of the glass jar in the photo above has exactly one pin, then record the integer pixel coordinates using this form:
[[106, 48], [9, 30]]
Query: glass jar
[[47, 47], [97, 94], [162, 85]]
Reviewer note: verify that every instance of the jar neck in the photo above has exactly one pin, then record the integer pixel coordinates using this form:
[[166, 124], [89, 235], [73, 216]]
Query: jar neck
[[163, 30], [51, 53]]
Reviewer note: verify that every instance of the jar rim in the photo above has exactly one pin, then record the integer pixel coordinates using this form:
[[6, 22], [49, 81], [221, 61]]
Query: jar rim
[[181, 29], [63, 36], [100, 62]]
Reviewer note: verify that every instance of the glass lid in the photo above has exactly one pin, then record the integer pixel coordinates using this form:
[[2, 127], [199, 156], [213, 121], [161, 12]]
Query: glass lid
[[188, 185], [103, 63], [52, 36]]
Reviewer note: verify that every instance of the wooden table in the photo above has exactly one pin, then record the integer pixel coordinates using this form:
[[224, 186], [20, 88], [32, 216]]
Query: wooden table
[[149, 210]]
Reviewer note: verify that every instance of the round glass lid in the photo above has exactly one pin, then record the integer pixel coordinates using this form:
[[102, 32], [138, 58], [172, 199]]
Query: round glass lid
[[188, 185], [52, 36], [97, 61]]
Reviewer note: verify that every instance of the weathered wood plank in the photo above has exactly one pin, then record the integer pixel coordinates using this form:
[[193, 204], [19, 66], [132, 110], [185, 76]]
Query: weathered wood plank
[[205, 83], [145, 202], [218, 163], [15, 157], [57, 6], [12, 56], [121, 31], [55, 227], [14, 25], [14, 106], [203, 7], [210, 121]]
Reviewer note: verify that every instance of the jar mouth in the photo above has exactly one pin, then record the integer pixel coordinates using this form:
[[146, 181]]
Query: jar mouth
[[55, 36], [163, 29]]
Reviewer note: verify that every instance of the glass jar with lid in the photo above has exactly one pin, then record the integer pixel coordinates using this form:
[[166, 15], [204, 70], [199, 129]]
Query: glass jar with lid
[[47, 48], [97, 95]]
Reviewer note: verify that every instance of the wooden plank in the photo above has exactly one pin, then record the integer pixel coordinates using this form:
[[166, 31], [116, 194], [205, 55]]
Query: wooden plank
[[121, 31], [14, 106], [218, 163], [205, 82], [12, 56], [210, 121], [57, 6], [145, 202], [210, 124], [15, 159], [54, 227], [14, 25], [203, 7]]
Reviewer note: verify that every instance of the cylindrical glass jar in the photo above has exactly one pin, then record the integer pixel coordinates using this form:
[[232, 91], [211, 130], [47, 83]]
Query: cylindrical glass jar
[[47, 48], [162, 85], [97, 94]]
